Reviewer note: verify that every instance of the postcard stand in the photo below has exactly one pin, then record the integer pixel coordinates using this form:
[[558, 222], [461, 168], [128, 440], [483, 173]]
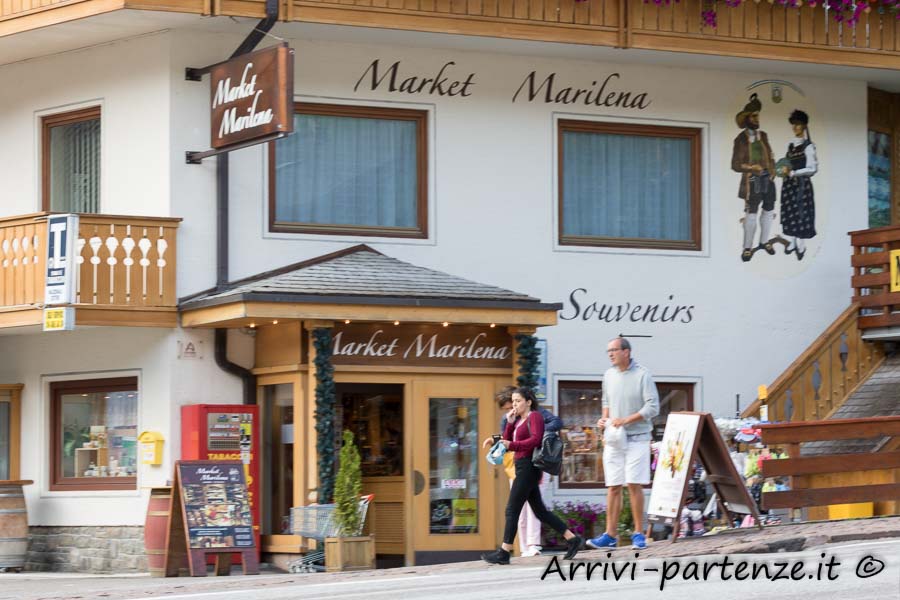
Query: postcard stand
[[707, 445], [179, 542]]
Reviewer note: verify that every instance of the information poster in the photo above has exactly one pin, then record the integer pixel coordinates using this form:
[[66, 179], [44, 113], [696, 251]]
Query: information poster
[[673, 465], [541, 391], [216, 504], [465, 514]]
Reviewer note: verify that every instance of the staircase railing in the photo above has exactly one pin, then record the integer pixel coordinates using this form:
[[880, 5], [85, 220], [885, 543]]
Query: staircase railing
[[799, 468], [821, 379]]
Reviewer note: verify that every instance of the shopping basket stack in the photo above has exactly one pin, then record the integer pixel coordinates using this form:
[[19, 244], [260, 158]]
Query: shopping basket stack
[[318, 522]]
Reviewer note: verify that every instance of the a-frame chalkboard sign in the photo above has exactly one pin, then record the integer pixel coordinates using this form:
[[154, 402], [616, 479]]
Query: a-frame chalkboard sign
[[210, 514], [690, 436]]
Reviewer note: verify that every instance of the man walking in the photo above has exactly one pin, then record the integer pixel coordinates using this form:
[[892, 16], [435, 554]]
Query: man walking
[[630, 400]]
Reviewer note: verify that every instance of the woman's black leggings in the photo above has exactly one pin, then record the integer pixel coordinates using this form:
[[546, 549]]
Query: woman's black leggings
[[526, 488]]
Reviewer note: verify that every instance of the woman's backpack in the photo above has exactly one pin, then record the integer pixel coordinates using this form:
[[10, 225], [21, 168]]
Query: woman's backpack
[[548, 456]]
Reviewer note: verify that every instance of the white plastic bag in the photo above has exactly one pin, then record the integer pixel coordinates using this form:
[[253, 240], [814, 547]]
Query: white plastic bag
[[614, 437]]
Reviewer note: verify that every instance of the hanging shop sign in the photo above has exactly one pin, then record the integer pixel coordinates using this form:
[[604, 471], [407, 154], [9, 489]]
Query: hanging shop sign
[[252, 96], [421, 345], [62, 230], [251, 100]]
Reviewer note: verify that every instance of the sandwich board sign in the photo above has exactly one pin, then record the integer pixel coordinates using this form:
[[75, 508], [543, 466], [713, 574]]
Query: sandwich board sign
[[691, 436], [210, 514]]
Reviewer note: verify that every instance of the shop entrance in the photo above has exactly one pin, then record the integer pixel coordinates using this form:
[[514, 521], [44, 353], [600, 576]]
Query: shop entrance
[[454, 491], [374, 413]]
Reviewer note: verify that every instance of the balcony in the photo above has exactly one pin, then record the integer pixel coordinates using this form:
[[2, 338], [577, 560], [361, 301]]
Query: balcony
[[763, 30], [125, 271]]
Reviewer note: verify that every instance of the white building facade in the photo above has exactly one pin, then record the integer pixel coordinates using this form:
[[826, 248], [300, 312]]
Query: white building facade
[[597, 178]]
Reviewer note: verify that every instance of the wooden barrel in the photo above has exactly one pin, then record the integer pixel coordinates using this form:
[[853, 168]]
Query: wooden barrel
[[13, 525], [155, 529]]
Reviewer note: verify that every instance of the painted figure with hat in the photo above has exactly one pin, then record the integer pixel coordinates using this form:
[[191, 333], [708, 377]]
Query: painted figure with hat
[[752, 158], [798, 206]]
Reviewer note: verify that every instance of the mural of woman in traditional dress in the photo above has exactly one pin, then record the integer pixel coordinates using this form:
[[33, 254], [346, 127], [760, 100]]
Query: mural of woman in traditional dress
[[798, 206]]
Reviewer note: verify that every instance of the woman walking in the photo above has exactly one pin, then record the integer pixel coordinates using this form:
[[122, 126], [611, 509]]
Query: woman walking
[[798, 206], [524, 432]]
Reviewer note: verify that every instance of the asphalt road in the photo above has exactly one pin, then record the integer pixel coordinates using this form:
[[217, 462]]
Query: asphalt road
[[852, 570]]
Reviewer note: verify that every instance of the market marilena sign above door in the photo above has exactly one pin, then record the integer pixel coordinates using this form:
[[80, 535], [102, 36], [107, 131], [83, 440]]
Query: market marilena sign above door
[[421, 345], [252, 96]]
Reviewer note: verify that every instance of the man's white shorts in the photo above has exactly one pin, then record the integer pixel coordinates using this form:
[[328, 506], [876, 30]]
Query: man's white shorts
[[631, 465]]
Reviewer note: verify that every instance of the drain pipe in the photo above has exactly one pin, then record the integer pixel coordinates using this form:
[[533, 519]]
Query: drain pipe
[[222, 201]]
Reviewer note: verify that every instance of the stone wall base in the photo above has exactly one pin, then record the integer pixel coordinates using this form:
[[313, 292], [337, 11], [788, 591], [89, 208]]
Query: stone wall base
[[86, 549]]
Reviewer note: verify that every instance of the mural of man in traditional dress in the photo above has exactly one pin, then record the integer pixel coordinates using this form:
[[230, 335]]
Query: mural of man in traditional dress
[[752, 157], [798, 206]]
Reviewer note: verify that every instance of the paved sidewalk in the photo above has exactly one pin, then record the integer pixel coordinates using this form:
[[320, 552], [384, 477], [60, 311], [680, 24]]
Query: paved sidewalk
[[787, 537]]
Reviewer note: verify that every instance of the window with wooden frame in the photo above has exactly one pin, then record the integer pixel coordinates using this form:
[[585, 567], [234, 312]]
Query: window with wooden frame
[[580, 406], [627, 185], [10, 431], [70, 161], [94, 434], [351, 170]]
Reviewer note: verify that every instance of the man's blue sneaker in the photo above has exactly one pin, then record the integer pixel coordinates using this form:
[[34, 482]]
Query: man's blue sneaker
[[638, 541], [604, 541]]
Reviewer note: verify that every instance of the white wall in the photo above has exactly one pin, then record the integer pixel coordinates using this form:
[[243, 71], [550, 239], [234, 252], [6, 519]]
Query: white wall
[[492, 209], [165, 383], [129, 80], [494, 218]]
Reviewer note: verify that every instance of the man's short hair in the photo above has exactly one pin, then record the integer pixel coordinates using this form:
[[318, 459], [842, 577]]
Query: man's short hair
[[624, 344], [504, 395]]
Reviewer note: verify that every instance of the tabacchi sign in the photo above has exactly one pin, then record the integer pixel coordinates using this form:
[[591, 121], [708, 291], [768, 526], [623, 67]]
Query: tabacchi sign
[[252, 96]]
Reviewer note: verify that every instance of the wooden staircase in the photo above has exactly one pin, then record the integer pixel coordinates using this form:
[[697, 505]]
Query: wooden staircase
[[815, 385]]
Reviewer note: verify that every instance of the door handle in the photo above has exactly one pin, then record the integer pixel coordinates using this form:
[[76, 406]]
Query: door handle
[[418, 483]]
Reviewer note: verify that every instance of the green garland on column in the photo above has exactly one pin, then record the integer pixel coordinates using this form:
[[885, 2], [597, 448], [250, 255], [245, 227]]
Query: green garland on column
[[528, 360], [325, 397]]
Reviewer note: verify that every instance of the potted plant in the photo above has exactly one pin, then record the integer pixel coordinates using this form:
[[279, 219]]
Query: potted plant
[[584, 518], [349, 551]]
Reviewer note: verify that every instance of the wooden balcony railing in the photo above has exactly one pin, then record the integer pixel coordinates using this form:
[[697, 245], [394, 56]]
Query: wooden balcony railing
[[813, 477], [871, 280], [753, 29], [824, 376], [124, 264]]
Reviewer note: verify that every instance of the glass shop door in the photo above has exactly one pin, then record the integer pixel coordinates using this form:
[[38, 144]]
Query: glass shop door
[[453, 486]]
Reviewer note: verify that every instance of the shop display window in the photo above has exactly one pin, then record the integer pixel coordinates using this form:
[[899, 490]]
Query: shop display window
[[580, 406], [374, 413], [351, 170], [628, 185], [71, 161], [94, 443]]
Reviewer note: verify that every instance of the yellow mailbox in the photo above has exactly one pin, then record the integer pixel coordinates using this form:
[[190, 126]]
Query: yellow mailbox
[[151, 447]]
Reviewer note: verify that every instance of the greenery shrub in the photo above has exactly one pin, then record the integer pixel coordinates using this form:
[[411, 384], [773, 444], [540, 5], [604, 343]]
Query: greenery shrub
[[347, 488]]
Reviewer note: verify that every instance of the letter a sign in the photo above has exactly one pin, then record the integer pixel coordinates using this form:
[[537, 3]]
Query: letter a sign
[[895, 270]]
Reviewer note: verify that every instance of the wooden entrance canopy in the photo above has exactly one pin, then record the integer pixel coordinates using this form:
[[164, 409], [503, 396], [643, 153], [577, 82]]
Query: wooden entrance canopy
[[362, 284]]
